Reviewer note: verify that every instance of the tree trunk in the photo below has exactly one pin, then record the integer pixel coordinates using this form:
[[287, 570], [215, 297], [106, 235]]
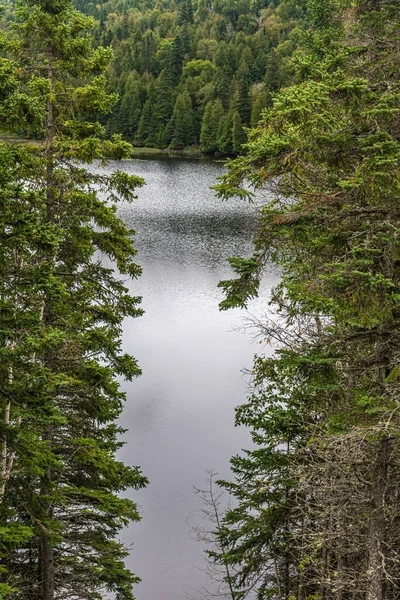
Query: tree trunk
[[47, 568], [377, 523], [46, 556]]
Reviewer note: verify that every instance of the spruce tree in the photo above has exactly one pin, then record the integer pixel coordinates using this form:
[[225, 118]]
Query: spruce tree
[[243, 103], [225, 143], [317, 513], [61, 319], [148, 124], [210, 126], [130, 108], [182, 122], [238, 134]]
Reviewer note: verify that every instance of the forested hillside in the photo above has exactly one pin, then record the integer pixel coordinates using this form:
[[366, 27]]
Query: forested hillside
[[195, 73]]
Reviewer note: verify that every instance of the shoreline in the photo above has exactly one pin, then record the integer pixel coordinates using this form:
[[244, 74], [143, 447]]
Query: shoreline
[[139, 152]]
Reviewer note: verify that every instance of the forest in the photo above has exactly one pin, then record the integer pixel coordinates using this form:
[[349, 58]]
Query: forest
[[194, 76], [304, 97]]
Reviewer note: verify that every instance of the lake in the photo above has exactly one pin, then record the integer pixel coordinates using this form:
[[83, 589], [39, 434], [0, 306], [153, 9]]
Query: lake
[[180, 412]]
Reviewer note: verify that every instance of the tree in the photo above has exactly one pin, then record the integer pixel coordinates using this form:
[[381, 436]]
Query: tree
[[243, 104], [61, 318], [185, 12], [273, 80], [164, 107], [328, 151], [147, 129], [130, 108], [210, 126], [182, 123], [238, 134], [225, 134]]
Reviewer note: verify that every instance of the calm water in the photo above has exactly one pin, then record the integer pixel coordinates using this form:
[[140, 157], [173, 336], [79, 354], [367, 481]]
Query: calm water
[[180, 413]]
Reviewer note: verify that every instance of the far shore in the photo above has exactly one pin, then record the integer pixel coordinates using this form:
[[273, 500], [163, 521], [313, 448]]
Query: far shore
[[138, 152]]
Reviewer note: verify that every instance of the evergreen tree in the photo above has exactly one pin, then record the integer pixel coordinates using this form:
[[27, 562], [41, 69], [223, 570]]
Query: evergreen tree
[[210, 126], [185, 12], [182, 122], [164, 107], [61, 319], [130, 108], [239, 136], [147, 128], [225, 143], [260, 101], [273, 79], [317, 518], [243, 103]]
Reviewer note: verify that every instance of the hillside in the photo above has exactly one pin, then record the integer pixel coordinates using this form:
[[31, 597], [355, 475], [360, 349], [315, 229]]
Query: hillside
[[195, 73]]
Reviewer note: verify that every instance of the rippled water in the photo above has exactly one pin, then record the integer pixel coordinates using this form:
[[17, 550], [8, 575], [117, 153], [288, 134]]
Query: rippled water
[[180, 413]]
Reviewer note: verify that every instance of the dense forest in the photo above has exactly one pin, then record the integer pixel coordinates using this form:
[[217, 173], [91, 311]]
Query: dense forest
[[315, 512], [194, 74]]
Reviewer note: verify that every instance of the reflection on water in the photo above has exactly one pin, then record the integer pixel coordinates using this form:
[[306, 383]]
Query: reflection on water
[[180, 413]]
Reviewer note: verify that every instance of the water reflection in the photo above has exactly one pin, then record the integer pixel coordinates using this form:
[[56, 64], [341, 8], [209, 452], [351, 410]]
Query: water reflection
[[180, 413]]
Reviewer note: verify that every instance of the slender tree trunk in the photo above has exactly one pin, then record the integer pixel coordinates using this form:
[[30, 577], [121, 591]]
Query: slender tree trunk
[[4, 452], [47, 568], [7, 459], [46, 555], [377, 523]]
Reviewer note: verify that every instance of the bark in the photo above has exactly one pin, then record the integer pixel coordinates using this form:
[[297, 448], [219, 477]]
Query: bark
[[47, 568], [376, 556], [5, 473]]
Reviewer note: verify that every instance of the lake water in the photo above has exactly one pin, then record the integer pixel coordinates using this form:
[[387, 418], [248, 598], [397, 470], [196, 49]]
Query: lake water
[[180, 413]]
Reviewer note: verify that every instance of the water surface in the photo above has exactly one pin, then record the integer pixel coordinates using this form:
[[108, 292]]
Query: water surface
[[180, 413]]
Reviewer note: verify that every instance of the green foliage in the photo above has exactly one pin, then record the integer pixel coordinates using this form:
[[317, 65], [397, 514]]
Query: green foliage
[[219, 51], [239, 136], [210, 126], [61, 487], [182, 122], [316, 495]]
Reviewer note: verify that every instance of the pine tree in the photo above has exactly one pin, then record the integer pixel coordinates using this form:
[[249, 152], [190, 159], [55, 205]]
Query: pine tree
[[61, 319]]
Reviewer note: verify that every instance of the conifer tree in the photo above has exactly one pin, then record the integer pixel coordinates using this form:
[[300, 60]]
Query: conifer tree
[[243, 103], [61, 318], [225, 143], [182, 122], [147, 129], [130, 108], [273, 73], [164, 107], [317, 513], [238, 134], [210, 126]]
